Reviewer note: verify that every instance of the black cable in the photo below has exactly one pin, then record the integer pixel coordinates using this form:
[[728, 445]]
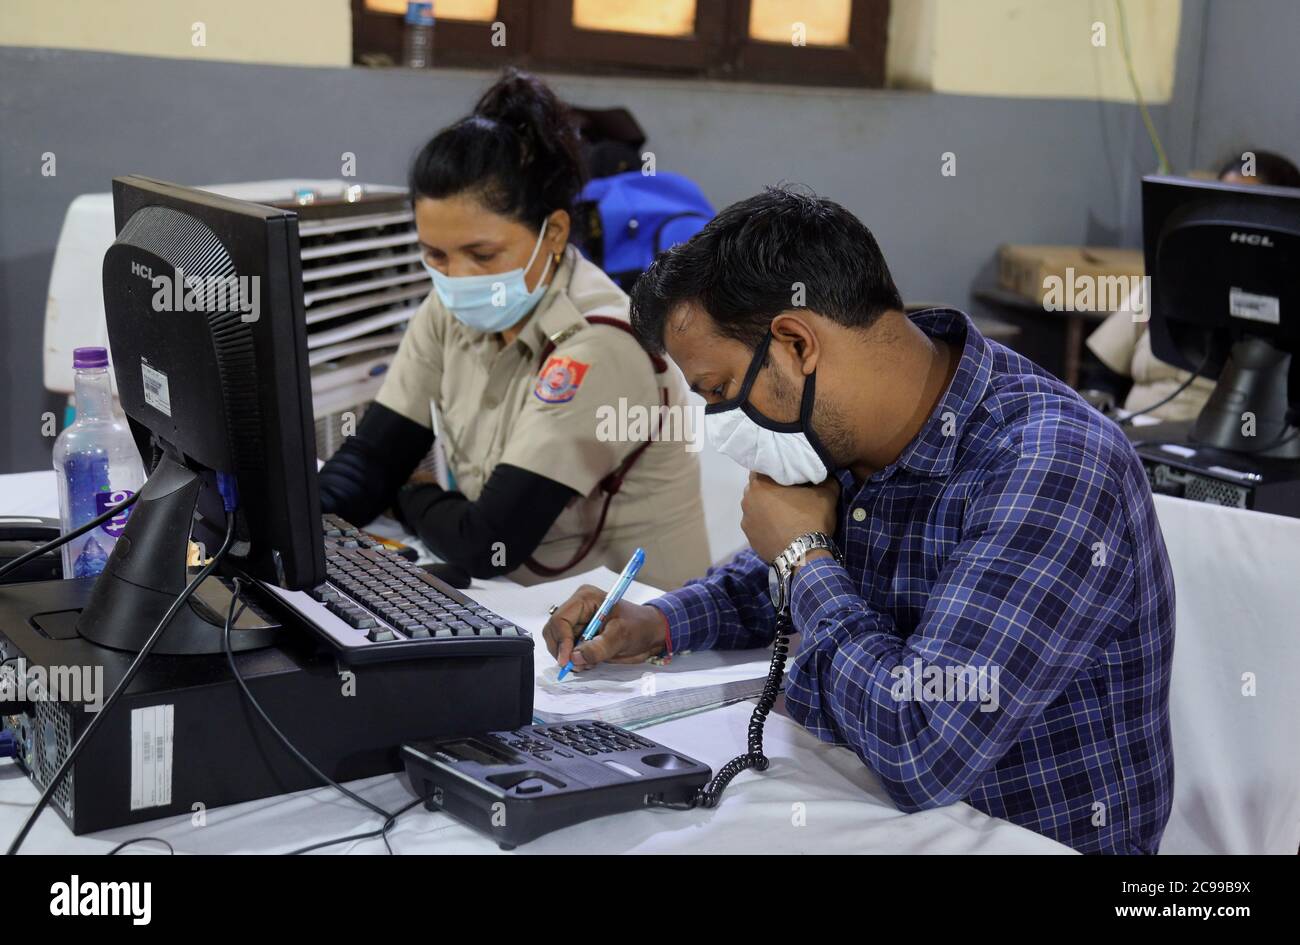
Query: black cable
[[171, 851], [1177, 390], [709, 795], [64, 539], [284, 739], [1284, 437], [381, 832], [121, 687]]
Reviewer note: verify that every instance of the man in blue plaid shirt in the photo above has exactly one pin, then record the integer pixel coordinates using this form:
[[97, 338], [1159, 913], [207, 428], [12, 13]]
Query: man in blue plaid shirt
[[969, 552]]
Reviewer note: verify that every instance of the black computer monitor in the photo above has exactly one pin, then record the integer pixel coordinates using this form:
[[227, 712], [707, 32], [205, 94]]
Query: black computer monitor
[[1224, 264], [203, 301]]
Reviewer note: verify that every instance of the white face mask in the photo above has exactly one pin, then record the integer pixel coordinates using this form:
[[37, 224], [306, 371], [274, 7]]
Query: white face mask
[[788, 453]]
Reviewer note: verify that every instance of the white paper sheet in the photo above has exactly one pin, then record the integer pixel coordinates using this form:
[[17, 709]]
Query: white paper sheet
[[628, 694]]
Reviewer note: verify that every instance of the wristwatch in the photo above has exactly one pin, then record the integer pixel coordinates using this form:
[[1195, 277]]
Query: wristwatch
[[782, 571]]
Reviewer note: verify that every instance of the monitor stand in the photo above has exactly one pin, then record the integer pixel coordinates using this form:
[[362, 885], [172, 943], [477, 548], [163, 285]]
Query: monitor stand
[[1253, 381], [147, 572]]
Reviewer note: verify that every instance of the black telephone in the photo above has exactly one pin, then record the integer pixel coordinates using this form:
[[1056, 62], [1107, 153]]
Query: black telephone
[[516, 785], [19, 534]]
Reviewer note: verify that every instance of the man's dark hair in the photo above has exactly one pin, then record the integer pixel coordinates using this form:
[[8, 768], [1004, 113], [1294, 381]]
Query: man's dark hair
[[745, 268], [1271, 168]]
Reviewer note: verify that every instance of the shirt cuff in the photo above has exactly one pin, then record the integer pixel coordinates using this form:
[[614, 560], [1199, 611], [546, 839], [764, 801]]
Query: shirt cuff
[[821, 589], [677, 608]]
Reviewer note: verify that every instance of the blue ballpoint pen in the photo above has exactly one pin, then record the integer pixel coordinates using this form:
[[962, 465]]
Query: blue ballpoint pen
[[613, 597]]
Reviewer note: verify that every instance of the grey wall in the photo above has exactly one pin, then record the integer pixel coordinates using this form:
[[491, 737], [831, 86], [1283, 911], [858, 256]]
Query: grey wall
[[1250, 81], [1027, 170]]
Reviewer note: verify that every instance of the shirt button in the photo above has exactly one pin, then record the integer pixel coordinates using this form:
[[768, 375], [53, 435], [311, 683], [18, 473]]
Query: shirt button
[[859, 514]]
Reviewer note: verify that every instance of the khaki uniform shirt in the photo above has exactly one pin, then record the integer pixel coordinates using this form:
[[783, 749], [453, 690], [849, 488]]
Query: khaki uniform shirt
[[559, 419], [1124, 346]]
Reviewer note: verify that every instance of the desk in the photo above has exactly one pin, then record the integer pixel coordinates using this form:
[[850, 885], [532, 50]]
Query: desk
[[816, 798]]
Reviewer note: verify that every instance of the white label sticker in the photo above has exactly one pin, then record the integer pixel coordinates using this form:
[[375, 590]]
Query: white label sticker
[[152, 731], [157, 394], [1258, 308]]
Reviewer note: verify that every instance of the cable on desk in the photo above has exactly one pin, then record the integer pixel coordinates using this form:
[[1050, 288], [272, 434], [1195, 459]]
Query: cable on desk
[[284, 739], [381, 832], [709, 795], [171, 851], [121, 687]]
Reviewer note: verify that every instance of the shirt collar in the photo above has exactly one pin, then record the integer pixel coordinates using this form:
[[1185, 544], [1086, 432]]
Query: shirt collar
[[555, 312], [933, 451]]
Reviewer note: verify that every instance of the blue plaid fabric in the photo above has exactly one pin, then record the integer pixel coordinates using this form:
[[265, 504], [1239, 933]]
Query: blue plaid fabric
[[1016, 538]]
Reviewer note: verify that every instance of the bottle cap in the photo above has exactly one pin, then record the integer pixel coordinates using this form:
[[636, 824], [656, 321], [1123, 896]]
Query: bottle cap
[[419, 14], [89, 358]]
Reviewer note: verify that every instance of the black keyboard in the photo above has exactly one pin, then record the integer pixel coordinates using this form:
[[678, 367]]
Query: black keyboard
[[375, 605]]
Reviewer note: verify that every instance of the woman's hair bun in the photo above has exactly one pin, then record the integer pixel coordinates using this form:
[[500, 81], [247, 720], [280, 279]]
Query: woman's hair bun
[[518, 151]]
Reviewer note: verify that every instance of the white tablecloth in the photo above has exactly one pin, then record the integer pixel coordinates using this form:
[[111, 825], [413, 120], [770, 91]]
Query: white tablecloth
[[815, 798]]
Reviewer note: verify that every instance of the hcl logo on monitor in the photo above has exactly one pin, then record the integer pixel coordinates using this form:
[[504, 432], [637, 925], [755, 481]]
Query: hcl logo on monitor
[[1250, 239]]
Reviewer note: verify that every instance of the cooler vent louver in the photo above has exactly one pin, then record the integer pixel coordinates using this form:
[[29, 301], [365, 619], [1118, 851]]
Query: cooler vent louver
[[361, 281]]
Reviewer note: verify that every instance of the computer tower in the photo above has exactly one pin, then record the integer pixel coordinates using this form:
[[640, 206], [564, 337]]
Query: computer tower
[[1177, 466], [184, 735]]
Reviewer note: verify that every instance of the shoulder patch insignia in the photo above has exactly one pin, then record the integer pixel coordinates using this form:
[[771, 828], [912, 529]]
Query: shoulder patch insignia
[[559, 379]]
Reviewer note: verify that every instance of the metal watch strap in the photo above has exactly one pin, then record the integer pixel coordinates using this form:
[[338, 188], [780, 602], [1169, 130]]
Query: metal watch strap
[[801, 546], [784, 564]]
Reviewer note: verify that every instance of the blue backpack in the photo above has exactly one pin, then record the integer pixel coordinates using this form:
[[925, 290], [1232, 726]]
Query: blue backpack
[[628, 218]]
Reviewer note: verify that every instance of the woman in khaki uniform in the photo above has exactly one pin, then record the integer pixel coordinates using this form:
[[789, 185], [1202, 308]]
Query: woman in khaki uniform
[[550, 414]]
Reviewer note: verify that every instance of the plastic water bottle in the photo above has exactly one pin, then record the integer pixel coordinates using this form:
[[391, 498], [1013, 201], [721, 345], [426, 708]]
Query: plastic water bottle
[[97, 465], [417, 43]]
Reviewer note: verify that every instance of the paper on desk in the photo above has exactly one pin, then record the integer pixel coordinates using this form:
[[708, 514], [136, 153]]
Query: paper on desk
[[631, 695], [527, 606]]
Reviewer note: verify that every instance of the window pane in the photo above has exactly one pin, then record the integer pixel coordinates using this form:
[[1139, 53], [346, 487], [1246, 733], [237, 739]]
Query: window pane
[[825, 22], [482, 11], [649, 17]]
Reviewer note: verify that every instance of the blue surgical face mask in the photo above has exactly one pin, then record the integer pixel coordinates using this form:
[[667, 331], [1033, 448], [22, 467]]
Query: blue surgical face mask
[[493, 302]]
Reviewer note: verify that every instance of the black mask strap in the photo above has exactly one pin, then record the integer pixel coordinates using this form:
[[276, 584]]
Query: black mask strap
[[751, 375], [802, 425]]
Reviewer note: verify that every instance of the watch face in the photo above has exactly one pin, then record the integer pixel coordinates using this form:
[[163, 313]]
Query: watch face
[[774, 587]]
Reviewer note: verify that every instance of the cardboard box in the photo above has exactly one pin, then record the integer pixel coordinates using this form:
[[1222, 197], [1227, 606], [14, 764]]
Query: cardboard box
[[1035, 271]]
